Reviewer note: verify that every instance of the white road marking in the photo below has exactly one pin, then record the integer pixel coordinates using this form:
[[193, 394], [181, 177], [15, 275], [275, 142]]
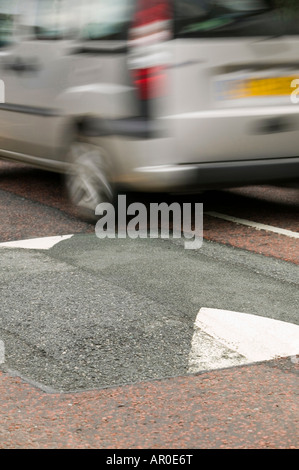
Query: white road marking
[[44, 243], [223, 338], [255, 225]]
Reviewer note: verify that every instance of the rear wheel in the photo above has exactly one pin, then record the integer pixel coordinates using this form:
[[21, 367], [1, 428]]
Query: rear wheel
[[88, 181]]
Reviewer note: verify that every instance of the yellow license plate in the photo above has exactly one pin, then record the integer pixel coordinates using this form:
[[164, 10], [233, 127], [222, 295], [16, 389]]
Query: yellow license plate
[[255, 87]]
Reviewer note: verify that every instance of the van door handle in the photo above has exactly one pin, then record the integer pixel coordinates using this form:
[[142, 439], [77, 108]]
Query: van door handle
[[20, 66]]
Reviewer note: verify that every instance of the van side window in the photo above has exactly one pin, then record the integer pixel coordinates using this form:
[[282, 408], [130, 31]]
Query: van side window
[[55, 19], [236, 18], [7, 17], [102, 19]]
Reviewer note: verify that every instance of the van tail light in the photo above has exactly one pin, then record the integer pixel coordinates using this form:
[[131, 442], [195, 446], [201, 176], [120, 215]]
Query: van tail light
[[150, 28]]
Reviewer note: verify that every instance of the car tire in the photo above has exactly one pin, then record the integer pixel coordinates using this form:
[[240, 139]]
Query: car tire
[[88, 181]]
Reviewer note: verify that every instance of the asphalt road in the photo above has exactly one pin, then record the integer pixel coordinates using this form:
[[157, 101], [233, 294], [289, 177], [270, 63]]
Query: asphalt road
[[94, 313], [99, 337]]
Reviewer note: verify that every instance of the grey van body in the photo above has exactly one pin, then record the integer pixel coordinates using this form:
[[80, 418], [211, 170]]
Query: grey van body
[[156, 95]]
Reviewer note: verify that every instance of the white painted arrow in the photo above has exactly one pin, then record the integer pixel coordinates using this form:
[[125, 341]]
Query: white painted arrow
[[44, 243], [223, 338]]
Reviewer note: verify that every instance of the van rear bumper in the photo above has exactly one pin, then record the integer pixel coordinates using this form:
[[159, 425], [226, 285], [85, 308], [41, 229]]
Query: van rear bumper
[[185, 177]]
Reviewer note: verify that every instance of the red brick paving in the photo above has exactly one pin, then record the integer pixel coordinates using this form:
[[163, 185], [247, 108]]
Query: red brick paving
[[248, 407], [246, 238]]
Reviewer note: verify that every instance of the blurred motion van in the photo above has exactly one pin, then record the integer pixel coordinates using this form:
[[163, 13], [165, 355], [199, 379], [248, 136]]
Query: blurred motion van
[[151, 95]]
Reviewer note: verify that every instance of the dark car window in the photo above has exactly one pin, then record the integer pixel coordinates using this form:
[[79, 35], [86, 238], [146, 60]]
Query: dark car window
[[229, 18]]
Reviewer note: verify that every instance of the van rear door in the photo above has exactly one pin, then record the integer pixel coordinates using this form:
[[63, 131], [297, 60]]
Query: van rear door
[[232, 75]]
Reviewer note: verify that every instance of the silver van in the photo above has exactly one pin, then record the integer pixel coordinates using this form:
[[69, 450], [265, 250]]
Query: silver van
[[151, 95]]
